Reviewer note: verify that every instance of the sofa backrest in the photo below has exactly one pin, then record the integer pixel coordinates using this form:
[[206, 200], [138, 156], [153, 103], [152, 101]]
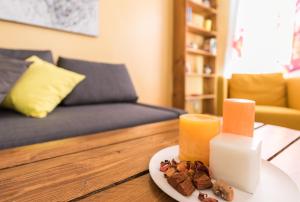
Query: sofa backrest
[[23, 54], [104, 83], [265, 89]]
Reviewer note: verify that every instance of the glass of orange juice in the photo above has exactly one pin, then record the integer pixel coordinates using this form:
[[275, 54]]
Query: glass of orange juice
[[195, 132]]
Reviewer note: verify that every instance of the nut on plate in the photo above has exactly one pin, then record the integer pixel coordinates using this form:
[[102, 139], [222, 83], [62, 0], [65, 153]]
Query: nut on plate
[[186, 187], [209, 199], [202, 181], [201, 168], [164, 165], [181, 166], [171, 171], [202, 196], [223, 190]]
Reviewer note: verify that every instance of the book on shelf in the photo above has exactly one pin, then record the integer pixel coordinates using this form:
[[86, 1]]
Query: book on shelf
[[210, 45]]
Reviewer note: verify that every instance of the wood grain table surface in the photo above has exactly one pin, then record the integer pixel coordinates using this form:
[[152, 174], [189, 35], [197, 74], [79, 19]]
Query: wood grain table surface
[[113, 166]]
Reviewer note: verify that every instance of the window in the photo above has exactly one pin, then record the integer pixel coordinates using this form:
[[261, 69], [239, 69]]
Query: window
[[295, 61], [261, 38]]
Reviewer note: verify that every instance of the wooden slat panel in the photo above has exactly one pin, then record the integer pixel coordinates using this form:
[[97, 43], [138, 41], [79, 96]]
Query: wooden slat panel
[[139, 189], [275, 138], [70, 176], [36, 152], [288, 161], [101, 163], [258, 125]]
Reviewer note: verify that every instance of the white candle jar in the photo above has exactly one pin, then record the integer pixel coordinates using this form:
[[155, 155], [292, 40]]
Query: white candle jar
[[236, 159]]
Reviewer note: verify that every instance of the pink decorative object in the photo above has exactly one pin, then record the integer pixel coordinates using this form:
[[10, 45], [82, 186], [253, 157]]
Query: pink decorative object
[[295, 61], [237, 44]]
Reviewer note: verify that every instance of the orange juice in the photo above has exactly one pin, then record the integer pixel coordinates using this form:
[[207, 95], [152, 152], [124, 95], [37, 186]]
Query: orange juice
[[195, 132]]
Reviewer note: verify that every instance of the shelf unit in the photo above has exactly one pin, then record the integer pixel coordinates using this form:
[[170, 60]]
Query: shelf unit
[[197, 30], [201, 8], [200, 75], [199, 52], [200, 97], [191, 83]]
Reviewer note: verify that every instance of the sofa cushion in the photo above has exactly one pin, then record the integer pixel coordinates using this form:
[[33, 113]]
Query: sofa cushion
[[281, 116], [293, 87], [63, 122], [22, 54], [265, 89], [10, 72], [41, 88], [104, 83]]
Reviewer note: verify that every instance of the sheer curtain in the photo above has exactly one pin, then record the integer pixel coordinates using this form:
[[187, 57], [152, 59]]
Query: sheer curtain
[[261, 36], [295, 61]]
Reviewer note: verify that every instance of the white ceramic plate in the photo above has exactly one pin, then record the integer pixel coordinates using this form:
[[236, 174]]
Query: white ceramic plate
[[274, 186]]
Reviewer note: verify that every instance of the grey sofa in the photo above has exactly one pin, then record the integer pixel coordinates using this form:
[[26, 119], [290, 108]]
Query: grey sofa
[[83, 113], [17, 130]]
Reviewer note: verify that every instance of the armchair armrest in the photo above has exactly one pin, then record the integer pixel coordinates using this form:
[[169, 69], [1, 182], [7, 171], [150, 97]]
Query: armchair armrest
[[222, 93], [293, 86]]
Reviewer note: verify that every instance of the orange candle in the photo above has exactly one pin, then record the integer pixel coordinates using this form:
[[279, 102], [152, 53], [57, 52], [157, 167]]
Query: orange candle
[[238, 116], [195, 132]]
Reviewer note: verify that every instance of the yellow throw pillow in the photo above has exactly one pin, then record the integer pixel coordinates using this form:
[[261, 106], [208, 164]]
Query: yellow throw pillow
[[41, 88], [293, 88], [265, 89]]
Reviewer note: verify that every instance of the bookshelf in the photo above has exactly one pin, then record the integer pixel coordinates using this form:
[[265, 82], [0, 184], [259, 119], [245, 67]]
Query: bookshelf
[[194, 55]]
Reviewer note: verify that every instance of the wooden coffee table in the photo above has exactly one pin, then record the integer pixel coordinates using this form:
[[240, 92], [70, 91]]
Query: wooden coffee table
[[113, 166]]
